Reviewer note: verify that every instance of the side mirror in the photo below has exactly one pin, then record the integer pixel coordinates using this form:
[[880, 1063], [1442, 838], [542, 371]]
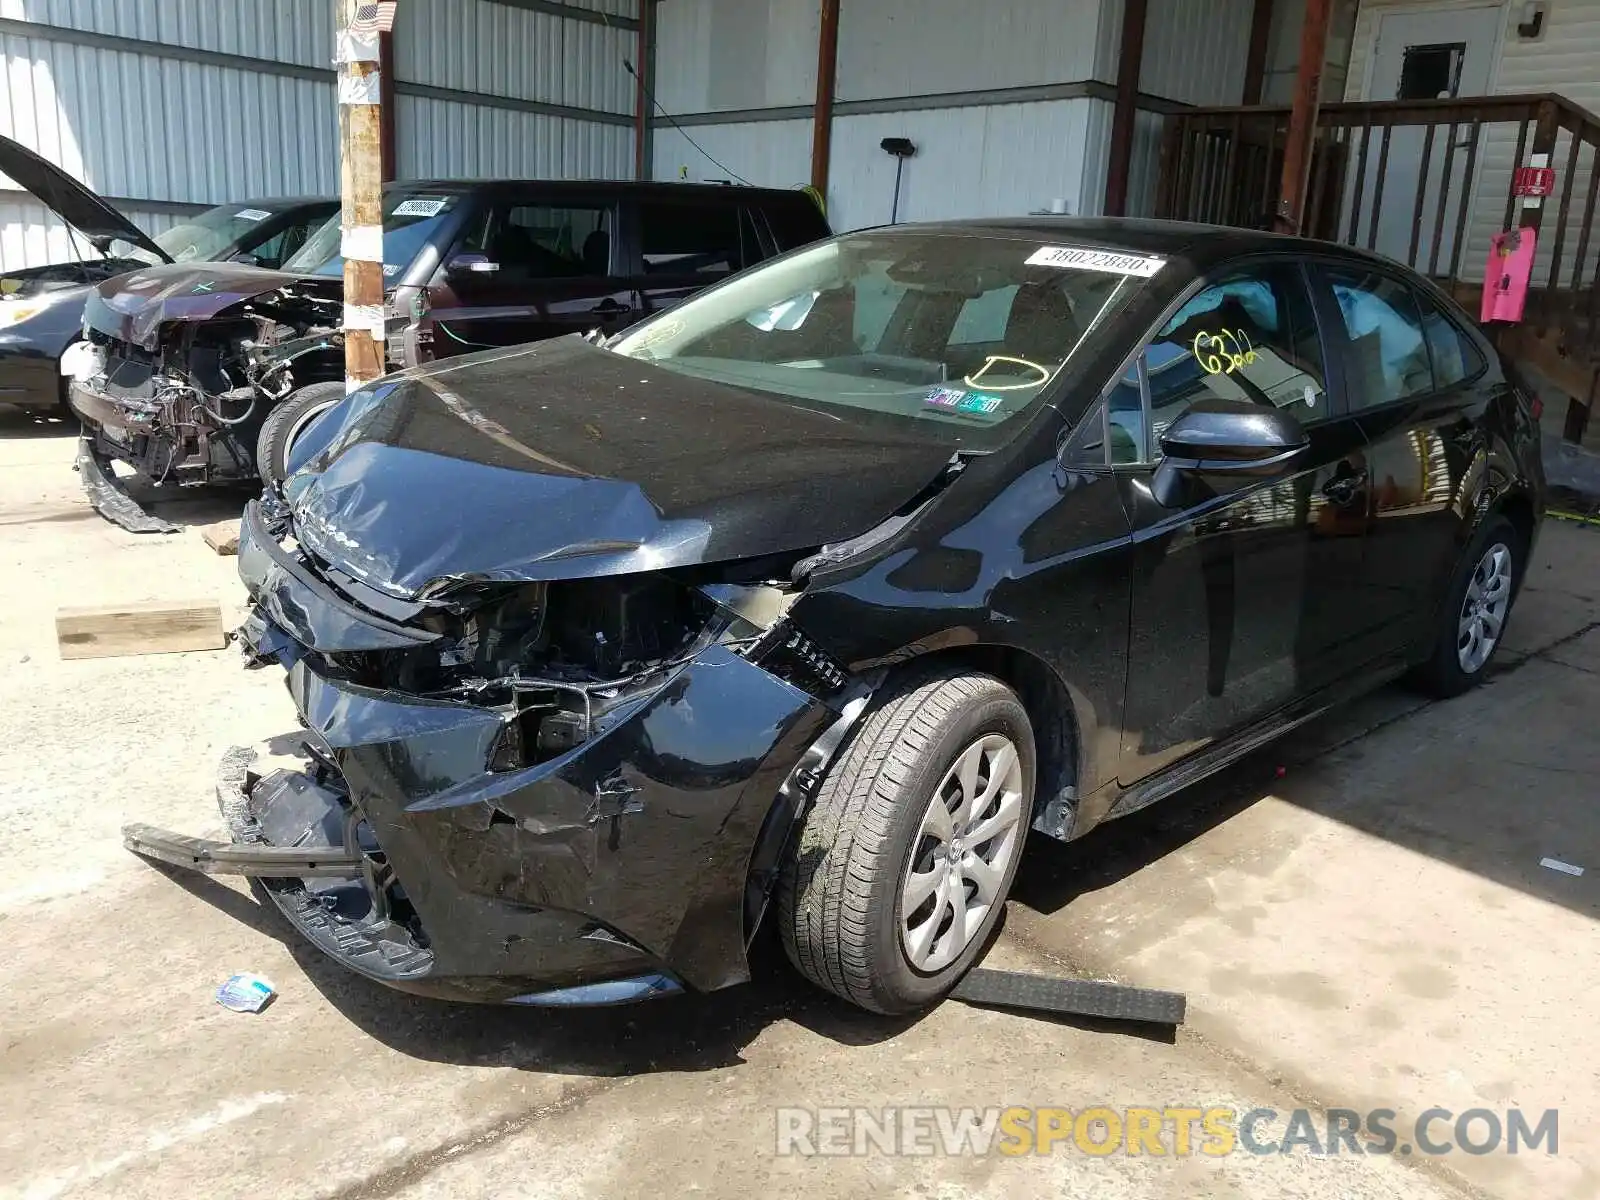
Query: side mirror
[[245, 257], [1225, 437], [471, 264]]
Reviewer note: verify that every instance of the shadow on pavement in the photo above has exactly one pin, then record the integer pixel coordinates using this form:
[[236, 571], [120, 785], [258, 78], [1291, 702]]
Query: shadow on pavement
[[1490, 782], [680, 1033], [19, 423]]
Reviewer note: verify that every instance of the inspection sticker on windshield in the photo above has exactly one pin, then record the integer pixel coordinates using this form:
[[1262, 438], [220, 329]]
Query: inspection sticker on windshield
[[957, 400], [252, 214], [1075, 259], [420, 206]]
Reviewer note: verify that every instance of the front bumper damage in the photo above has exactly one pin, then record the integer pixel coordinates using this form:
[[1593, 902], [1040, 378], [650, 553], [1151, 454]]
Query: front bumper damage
[[109, 497], [615, 870]]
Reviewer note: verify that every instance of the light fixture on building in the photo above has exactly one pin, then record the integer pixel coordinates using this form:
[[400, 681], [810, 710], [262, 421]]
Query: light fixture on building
[[1530, 23], [902, 149]]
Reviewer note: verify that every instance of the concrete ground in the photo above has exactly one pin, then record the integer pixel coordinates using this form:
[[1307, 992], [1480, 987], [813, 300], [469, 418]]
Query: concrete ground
[[1358, 917]]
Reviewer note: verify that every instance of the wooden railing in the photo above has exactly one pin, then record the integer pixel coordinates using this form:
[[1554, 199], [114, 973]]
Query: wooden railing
[[1426, 182]]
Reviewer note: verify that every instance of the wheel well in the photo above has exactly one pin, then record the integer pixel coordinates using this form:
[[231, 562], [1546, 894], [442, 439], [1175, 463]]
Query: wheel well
[[1518, 509], [1055, 726]]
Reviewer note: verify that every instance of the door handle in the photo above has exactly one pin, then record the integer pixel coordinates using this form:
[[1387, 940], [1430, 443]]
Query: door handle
[[1343, 488]]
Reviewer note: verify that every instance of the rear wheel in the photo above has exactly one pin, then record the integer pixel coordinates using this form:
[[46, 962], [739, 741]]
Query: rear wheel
[[287, 421], [903, 863], [1473, 619]]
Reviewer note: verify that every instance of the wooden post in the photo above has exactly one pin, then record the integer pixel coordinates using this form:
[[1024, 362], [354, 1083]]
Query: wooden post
[[644, 88], [361, 212], [1119, 157], [822, 114], [386, 105], [1255, 61], [1297, 146]]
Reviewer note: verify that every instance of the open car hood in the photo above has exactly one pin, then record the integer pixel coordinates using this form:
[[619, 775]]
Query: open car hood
[[134, 306], [70, 200], [561, 460]]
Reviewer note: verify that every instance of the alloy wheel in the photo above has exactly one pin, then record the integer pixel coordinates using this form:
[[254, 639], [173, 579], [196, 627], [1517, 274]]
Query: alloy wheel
[[1483, 609], [962, 854]]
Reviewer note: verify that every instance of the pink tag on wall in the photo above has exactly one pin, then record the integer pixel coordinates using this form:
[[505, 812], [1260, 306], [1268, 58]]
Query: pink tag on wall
[[1505, 278]]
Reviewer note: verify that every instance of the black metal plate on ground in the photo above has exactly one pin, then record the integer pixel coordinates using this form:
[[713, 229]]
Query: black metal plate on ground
[[110, 499], [1074, 997]]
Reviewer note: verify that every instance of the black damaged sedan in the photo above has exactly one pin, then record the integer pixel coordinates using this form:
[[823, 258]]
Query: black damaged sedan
[[807, 600]]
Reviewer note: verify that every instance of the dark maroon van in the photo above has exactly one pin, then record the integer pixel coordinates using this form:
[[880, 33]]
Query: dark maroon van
[[202, 373]]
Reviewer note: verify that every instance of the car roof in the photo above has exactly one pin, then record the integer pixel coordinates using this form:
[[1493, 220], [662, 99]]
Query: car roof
[[658, 188], [1199, 243]]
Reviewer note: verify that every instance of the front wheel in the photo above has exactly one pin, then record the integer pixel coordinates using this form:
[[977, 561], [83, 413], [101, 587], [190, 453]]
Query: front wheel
[[904, 861], [1472, 622], [286, 422]]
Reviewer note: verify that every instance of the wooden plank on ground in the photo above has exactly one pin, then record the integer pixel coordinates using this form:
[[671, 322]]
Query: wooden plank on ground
[[223, 537], [149, 627]]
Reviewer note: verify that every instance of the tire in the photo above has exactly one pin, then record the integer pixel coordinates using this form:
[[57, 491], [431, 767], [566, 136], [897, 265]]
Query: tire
[[843, 895], [1458, 662], [286, 422]]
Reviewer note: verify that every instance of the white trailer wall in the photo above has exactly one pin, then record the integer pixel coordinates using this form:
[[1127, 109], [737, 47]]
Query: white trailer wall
[[170, 106], [1564, 59]]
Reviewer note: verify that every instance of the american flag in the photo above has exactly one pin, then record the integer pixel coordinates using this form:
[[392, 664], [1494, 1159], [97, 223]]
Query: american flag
[[374, 18]]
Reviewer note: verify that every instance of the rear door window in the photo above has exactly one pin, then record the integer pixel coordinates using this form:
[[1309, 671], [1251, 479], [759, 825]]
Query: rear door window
[[1386, 352], [1455, 355], [702, 240], [543, 241]]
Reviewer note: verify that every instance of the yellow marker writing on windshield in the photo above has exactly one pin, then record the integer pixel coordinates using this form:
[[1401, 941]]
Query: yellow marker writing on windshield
[[976, 379]]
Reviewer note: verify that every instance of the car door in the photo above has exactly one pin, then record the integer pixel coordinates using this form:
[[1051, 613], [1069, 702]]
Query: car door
[[1412, 381], [1242, 589], [524, 269], [687, 245]]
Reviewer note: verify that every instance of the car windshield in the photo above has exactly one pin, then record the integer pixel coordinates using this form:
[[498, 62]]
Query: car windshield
[[409, 222], [956, 332], [209, 235]]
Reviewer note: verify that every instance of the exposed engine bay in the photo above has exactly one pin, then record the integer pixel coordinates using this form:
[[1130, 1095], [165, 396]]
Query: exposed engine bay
[[185, 403], [563, 661]]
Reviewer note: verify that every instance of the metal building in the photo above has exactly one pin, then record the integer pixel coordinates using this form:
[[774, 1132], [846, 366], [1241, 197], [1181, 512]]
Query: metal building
[[171, 106]]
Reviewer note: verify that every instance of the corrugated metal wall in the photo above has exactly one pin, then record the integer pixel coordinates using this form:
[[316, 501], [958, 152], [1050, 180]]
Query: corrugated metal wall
[[293, 31], [514, 52], [764, 53], [30, 233], [138, 126], [1283, 50], [1194, 50], [949, 75], [444, 139], [199, 102], [894, 48], [971, 162], [977, 154], [765, 153]]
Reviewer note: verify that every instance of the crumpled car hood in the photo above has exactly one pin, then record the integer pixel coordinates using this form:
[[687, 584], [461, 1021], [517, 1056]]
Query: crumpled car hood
[[560, 460], [132, 307]]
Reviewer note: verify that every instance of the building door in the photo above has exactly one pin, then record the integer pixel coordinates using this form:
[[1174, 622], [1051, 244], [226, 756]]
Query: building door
[[1425, 55]]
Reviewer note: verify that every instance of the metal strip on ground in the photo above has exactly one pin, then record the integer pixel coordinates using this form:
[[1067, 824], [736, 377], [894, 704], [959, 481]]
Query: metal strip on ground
[[110, 499], [1074, 997]]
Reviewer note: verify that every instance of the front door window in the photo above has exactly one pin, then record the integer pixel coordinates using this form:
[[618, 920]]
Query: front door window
[[1251, 336]]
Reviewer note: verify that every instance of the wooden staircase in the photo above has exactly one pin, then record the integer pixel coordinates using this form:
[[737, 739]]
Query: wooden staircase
[[1426, 182]]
